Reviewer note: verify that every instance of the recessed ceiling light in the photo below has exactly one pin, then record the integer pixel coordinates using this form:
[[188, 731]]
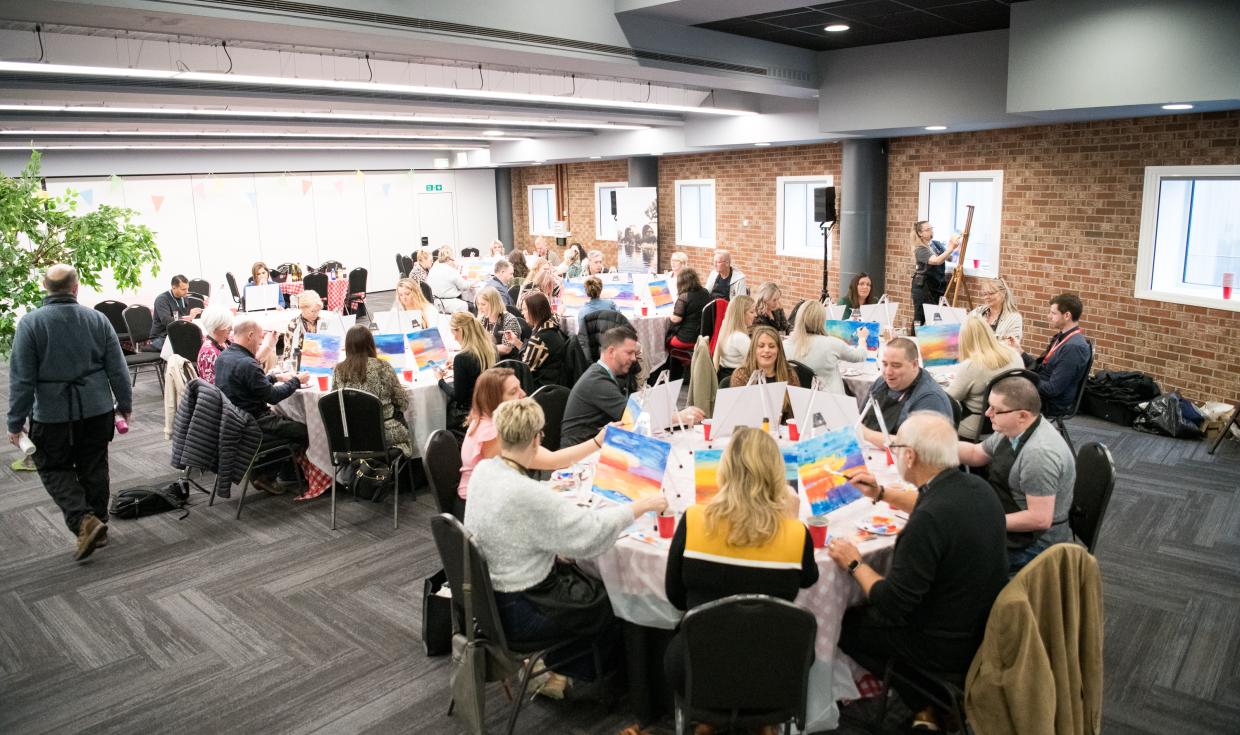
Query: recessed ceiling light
[[762, 145], [836, 28], [936, 127], [595, 158], [256, 80], [232, 134], [1178, 106]]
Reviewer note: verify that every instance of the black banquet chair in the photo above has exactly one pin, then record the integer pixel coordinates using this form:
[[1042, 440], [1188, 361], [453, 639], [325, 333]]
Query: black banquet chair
[[138, 322], [1059, 420], [427, 293], [774, 637], [355, 301], [1095, 479], [805, 375], [115, 312], [442, 459], [455, 544], [200, 286], [553, 399], [186, 339], [232, 287], [316, 282], [353, 422], [522, 371]]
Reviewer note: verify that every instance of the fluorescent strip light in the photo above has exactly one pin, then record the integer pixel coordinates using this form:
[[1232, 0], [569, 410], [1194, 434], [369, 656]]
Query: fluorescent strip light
[[1178, 106], [237, 134], [358, 86], [936, 128], [228, 147], [292, 115], [836, 28]]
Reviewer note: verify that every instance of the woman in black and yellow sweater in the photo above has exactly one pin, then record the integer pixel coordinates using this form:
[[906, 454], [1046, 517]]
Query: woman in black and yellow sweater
[[747, 540]]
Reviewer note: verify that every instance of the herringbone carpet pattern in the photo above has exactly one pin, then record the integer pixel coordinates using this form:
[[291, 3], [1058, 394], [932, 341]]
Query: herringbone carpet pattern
[[274, 623]]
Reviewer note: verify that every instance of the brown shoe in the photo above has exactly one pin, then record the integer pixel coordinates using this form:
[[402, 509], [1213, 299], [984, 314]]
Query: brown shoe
[[926, 721], [88, 536], [103, 539]]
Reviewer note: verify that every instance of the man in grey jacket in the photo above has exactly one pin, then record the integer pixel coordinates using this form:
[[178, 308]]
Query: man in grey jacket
[[68, 373]]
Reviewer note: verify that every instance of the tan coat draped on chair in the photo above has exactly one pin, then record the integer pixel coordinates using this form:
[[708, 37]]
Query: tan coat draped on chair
[[1039, 669], [703, 383]]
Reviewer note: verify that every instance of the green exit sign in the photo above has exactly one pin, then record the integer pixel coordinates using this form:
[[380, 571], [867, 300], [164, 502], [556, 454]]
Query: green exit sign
[[434, 187]]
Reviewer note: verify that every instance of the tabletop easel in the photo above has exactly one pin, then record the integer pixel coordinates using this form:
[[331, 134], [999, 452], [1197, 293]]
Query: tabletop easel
[[956, 284]]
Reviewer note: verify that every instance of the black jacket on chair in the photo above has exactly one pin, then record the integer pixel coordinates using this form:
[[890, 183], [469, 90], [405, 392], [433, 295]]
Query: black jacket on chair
[[210, 433], [591, 327]]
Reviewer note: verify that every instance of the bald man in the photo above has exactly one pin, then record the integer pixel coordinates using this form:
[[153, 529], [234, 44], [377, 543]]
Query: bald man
[[67, 373]]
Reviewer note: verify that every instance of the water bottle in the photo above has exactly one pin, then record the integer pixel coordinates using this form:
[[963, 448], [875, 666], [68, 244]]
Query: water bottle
[[25, 445], [122, 426], [643, 424]]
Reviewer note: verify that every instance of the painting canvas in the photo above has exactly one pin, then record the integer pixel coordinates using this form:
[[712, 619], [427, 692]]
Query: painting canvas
[[573, 294], [846, 329], [821, 458], [320, 353], [661, 296], [391, 349], [477, 269], [706, 474], [427, 349], [792, 466], [630, 466], [632, 409], [939, 344]]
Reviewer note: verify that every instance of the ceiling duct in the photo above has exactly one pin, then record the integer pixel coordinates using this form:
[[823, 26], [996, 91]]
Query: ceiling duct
[[307, 10]]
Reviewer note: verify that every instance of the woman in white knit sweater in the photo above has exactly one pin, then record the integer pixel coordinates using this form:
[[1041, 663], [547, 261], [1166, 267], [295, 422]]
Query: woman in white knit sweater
[[982, 357], [811, 346], [999, 312], [522, 525]]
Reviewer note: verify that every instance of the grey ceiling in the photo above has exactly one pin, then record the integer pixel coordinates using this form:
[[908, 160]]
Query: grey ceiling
[[871, 22]]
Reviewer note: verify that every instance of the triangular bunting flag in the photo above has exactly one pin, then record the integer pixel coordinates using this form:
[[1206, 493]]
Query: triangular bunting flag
[[305, 185], [157, 200], [88, 196], [116, 182], [358, 173]]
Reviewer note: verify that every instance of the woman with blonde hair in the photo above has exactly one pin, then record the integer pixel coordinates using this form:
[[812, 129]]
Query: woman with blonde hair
[[982, 357], [306, 322], [447, 285], [496, 319], [423, 262], [811, 346], [766, 356], [746, 540], [477, 355], [411, 302], [929, 273], [768, 301], [999, 312], [732, 344]]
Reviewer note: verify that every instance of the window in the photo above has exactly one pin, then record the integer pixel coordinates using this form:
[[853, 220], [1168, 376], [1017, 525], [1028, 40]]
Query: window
[[796, 232], [1190, 235], [605, 223], [943, 200], [541, 201], [695, 213]]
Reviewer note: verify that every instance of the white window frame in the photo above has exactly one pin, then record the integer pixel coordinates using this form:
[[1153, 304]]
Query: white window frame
[[809, 253], [1207, 296], [601, 212], [529, 208], [698, 242], [988, 269]]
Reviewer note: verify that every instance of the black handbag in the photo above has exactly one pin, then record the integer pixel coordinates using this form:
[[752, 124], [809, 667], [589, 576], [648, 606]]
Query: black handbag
[[436, 616], [574, 599]]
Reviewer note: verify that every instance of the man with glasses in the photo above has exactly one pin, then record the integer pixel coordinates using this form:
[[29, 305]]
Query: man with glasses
[[1031, 469]]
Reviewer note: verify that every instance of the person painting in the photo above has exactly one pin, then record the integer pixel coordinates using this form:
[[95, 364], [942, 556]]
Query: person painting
[[930, 274]]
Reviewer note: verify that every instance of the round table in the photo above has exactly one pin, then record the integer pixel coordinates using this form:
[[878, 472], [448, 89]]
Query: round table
[[650, 333], [337, 290], [634, 569]]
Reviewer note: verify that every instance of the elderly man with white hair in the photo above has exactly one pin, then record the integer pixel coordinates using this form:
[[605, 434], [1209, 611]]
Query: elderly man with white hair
[[724, 281], [239, 376], [950, 562]]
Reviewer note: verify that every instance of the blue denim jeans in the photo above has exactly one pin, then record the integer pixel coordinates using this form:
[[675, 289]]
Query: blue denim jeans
[[1018, 558], [525, 622]]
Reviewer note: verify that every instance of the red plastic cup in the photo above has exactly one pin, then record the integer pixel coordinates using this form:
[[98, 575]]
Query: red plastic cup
[[976, 263], [667, 525], [1228, 279], [794, 434], [818, 531], [706, 425], [645, 310], [323, 382], [408, 376]]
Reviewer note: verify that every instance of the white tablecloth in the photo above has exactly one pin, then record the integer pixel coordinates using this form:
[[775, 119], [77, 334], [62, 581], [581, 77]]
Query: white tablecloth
[[650, 331], [426, 412], [634, 569]]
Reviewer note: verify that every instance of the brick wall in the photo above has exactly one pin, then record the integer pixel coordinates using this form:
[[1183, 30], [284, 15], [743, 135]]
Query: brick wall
[[580, 201], [1071, 222]]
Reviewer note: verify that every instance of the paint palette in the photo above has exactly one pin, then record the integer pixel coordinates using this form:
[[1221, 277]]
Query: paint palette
[[880, 526]]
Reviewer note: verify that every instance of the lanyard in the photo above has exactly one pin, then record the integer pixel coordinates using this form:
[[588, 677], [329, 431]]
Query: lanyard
[[1055, 347]]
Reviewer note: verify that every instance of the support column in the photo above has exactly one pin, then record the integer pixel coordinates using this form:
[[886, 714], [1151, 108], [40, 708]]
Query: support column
[[644, 171], [863, 215], [503, 206]]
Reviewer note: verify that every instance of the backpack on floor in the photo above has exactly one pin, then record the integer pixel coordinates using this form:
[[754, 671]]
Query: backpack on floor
[[136, 502]]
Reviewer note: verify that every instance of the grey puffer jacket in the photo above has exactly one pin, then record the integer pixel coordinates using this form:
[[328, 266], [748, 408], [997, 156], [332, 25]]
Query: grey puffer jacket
[[210, 433]]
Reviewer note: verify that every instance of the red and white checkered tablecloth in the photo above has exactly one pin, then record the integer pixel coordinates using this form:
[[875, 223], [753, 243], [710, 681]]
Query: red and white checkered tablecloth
[[337, 290]]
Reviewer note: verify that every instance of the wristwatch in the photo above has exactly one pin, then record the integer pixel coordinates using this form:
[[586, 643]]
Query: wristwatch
[[852, 567]]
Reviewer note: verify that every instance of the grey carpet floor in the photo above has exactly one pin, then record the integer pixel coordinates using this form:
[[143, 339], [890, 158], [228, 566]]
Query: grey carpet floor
[[274, 623]]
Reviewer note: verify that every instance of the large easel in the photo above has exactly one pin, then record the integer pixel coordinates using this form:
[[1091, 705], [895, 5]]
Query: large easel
[[956, 284]]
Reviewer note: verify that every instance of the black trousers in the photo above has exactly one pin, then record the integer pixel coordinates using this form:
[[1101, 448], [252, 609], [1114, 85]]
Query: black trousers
[[872, 641], [281, 428], [72, 459]]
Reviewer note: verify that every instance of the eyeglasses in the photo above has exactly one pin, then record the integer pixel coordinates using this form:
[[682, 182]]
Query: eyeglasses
[[996, 412]]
